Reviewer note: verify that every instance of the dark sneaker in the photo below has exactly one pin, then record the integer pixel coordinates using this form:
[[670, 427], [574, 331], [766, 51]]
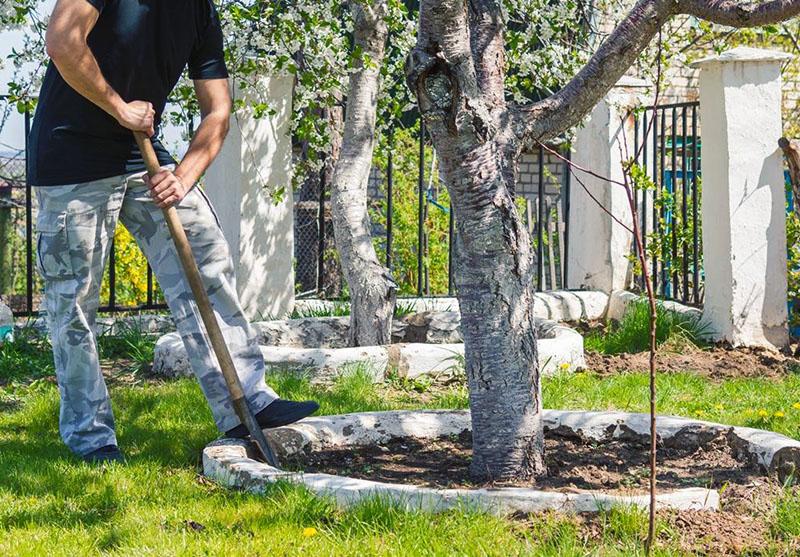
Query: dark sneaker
[[109, 453], [278, 413]]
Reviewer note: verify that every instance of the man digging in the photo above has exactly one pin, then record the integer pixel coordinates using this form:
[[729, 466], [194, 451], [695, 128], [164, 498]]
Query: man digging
[[113, 65]]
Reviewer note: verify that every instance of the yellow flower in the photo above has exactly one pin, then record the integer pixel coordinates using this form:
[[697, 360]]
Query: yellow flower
[[563, 366], [763, 413], [718, 407], [779, 414], [698, 412], [308, 532], [796, 405]]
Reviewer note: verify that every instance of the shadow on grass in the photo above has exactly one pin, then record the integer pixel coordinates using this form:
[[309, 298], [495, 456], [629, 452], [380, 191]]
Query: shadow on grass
[[158, 427], [162, 428]]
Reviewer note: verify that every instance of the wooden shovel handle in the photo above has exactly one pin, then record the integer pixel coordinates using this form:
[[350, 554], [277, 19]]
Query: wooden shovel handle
[[218, 344]]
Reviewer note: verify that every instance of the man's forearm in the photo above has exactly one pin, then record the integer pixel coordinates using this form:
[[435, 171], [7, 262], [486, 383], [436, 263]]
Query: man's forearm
[[78, 66], [205, 146], [213, 96]]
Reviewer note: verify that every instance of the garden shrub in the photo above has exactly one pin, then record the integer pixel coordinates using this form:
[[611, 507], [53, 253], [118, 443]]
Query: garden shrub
[[131, 271]]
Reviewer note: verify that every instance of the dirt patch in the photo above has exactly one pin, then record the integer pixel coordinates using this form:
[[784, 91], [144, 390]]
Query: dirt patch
[[741, 527], [573, 465], [718, 533], [718, 362]]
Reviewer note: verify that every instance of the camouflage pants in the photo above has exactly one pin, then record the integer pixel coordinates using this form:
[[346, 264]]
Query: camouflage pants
[[75, 226]]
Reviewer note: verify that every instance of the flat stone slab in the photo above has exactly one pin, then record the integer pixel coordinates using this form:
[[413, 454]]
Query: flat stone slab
[[560, 349], [227, 461]]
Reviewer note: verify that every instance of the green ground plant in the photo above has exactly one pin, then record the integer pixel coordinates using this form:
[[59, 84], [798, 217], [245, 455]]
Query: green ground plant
[[27, 358], [157, 504], [337, 309], [128, 342], [341, 308], [631, 334]]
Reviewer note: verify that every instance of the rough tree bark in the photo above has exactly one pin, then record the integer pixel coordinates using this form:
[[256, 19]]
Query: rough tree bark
[[372, 290], [456, 71]]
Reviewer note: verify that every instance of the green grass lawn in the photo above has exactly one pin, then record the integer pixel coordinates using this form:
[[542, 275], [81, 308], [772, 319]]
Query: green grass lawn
[[158, 504]]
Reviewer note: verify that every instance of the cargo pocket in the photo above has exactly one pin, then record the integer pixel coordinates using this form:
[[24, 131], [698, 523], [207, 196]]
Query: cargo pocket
[[52, 247]]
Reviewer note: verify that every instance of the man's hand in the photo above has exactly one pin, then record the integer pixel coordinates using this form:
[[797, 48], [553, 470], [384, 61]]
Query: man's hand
[[138, 116], [166, 188]]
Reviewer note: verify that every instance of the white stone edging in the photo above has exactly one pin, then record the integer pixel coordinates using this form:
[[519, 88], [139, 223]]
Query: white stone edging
[[619, 301], [568, 306], [226, 461], [560, 348]]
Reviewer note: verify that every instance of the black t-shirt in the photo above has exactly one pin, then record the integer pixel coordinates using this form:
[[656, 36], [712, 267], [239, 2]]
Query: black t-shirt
[[142, 47]]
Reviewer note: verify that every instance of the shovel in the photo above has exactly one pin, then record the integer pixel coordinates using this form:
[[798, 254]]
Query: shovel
[[218, 344]]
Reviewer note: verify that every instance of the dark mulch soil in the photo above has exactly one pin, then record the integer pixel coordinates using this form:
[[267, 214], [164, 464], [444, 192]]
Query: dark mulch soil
[[718, 362], [740, 527], [572, 464]]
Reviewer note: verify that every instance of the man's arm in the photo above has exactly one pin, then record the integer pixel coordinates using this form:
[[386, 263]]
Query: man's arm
[[215, 102], [69, 26]]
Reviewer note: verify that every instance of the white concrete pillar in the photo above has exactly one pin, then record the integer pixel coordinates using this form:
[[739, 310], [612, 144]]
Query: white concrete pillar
[[598, 246], [744, 204], [249, 185]]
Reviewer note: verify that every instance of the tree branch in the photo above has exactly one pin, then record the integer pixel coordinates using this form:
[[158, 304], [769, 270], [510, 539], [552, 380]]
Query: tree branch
[[546, 119], [488, 49], [735, 13]]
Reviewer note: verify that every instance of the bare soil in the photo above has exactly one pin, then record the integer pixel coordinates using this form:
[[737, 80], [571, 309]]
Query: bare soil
[[573, 465], [620, 467], [718, 362]]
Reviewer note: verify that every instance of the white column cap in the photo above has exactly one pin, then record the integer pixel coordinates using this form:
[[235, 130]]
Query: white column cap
[[743, 54]]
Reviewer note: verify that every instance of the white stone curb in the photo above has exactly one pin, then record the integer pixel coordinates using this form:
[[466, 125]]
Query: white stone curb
[[560, 348], [557, 305], [147, 323], [226, 461]]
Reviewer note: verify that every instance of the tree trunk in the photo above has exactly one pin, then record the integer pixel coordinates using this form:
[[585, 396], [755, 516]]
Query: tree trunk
[[372, 290], [493, 277], [457, 71], [463, 106]]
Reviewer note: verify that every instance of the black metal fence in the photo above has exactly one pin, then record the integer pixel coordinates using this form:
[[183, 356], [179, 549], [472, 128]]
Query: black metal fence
[[18, 215], [668, 149], [413, 228]]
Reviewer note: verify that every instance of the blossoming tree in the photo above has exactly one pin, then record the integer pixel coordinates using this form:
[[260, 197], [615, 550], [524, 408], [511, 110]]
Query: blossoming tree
[[457, 71]]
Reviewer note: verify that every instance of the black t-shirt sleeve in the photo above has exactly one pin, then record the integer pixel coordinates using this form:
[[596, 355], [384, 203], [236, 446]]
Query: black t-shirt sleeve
[[99, 4], [208, 58]]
